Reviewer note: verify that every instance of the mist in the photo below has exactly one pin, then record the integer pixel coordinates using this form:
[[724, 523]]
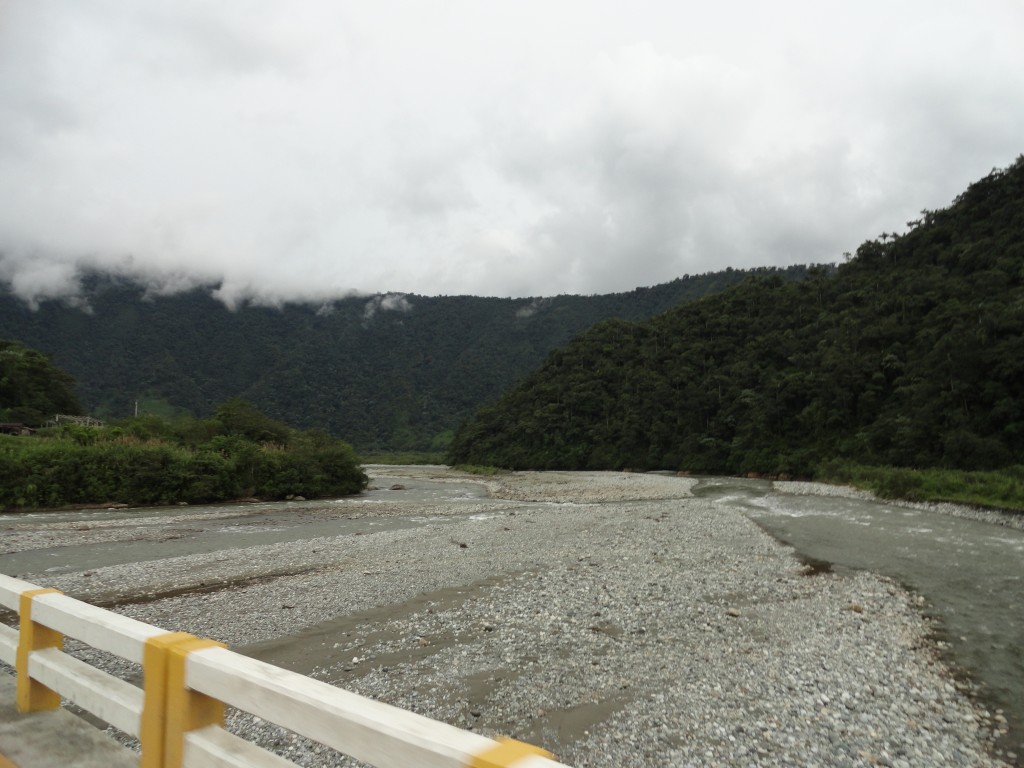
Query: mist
[[512, 149]]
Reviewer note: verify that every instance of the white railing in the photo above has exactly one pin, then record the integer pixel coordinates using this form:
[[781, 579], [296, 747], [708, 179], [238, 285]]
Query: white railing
[[178, 715]]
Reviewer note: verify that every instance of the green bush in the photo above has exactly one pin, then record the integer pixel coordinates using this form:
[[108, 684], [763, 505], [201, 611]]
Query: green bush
[[150, 461], [1001, 488], [900, 484]]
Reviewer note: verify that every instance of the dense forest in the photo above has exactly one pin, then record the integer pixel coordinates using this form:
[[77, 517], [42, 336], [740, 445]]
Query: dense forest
[[394, 372], [909, 354]]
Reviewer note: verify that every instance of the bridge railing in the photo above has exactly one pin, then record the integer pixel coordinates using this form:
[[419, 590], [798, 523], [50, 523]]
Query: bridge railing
[[178, 714]]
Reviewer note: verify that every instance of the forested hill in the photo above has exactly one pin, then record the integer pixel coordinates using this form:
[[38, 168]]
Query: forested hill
[[910, 354], [393, 372]]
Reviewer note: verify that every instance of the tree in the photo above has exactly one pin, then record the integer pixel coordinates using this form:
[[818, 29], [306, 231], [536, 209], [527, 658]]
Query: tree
[[32, 388], [237, 417]]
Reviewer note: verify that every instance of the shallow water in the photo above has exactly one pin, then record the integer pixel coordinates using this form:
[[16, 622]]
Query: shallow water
[[971, 574]]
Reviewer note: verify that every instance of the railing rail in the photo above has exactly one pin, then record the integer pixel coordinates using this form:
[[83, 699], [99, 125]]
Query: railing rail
[[178, 714]]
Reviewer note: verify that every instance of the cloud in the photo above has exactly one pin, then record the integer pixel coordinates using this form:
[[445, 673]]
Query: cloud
[[534, 306], [391, 302], [516, 149]]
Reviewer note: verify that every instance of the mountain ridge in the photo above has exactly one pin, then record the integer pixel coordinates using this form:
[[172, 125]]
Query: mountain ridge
[[908, 354], [390, 371]]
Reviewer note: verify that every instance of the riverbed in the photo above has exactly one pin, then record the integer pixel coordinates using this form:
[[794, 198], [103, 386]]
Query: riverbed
[[616, 619], [968, 573]]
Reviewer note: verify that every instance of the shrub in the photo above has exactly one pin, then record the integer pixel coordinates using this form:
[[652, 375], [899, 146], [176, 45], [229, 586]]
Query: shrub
[[147, 461]]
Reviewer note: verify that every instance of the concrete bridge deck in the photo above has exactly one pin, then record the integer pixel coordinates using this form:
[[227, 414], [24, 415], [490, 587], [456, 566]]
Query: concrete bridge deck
[[56, 739]]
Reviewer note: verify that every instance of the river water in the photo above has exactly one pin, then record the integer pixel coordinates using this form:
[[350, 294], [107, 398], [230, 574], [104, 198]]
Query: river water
[[970, 574]]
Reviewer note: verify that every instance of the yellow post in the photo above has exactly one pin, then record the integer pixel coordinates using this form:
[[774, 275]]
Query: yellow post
[[32, 696], [186, 710], [507, 752], [153, 726]]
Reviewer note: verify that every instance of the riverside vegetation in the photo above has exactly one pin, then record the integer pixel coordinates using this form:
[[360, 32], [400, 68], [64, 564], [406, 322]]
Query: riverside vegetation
[[238, 452], [906, 356], [1001, 489]]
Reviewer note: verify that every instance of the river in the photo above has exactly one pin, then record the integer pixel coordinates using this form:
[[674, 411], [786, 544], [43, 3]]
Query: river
[[969, 574]]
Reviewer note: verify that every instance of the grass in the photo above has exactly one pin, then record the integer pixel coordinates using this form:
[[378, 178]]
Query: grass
[[996, 489]]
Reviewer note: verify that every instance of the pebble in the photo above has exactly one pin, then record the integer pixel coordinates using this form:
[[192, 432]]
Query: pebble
[[611, 618]]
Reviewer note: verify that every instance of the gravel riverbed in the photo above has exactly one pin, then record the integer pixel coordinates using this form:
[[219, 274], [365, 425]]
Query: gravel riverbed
[[611, 618]]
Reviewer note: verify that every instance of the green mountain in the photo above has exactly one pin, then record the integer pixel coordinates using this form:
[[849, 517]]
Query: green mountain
[[383, 372], [910, 353]]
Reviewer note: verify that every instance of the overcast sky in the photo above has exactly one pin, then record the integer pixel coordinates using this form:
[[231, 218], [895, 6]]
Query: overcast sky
[[504, 147]]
